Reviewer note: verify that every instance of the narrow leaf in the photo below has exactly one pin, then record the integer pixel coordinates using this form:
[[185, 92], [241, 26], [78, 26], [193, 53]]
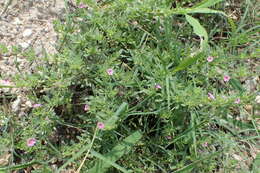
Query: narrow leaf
[[187, 62], [189, 167], [111, 122], [237, 85], [207, 3], [116, 153], [103, 158], [199, 30], [256, 164], [74, 157], [205, 10]]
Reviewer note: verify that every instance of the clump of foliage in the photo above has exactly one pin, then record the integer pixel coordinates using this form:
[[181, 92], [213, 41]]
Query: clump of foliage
[[168, 96]]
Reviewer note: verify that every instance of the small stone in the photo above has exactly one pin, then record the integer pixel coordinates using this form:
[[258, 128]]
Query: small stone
[[27, 33], [16, 105], [17, 21], [38, 50], [28, 103], [257, 99], [250, 84], [24, 45], [248, 108]]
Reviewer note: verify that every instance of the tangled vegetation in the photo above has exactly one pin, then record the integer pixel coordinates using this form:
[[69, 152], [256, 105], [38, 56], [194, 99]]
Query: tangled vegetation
[[141, 86]]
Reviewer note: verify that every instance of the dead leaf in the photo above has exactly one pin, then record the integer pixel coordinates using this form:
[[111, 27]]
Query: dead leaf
[[4, 159]]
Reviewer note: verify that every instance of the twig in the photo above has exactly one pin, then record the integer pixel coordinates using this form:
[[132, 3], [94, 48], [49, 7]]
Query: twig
[[82, 163]]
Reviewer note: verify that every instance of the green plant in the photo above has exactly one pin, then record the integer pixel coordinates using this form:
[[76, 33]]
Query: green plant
[[150, 73]]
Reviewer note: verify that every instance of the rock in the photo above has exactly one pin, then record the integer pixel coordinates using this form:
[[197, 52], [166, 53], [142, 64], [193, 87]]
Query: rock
[[38, 50], [4, 158], [16, 104], [27, 33], [24, 45], [251, 84], [28, 103], [17, 21], [257, 99]]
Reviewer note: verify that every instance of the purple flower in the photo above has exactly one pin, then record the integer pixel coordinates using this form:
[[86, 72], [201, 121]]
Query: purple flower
[[226, 78], [169, 137], [205, 144], [110, 71], [86, 107], [36, 105], [31, 142], [237, 101], [210, 59], [100, 125], [211, 96], [5, 82], [81, 5], [157, 86]]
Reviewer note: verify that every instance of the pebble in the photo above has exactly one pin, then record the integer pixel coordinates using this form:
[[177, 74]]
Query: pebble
[[38, 50], [17, 21], [24, 45], [16, 104], [27, 32], [257, 99]]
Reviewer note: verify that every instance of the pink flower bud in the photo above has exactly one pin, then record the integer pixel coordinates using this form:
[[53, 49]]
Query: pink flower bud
[[31, 142], [110, 71], [211, 96], [226, 78], [210, 59], [100, 125]]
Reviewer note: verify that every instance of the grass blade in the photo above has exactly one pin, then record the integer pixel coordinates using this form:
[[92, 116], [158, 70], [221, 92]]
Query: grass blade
[[75, 156], [187, 62], [116, 153], [207, 3], [111, 122], [103, 158], [199, 30], [205, 10], [237, 85], [189, 167]]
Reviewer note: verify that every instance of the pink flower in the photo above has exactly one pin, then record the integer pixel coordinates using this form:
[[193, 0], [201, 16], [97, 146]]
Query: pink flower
[[205, 144], [237, 101], [5, 82], [211, 96], [81, 5], [110, 71], [157, 86], [36, 105], [169, 137], [210, 59], [100, 125], [31, 142], [226, 78], [86, 107]]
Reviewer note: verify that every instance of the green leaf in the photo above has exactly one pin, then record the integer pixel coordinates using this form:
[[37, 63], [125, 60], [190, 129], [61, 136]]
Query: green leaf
[[103, 158], [237, 85], [187, 62], [207, 3], [111, 122], [256, 164], [184, 11], [75, 156], [199, 30], [191, 166], [232, 24], [116, 153], [3, 49], [205, 10], [5, 86], [23, 165]]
